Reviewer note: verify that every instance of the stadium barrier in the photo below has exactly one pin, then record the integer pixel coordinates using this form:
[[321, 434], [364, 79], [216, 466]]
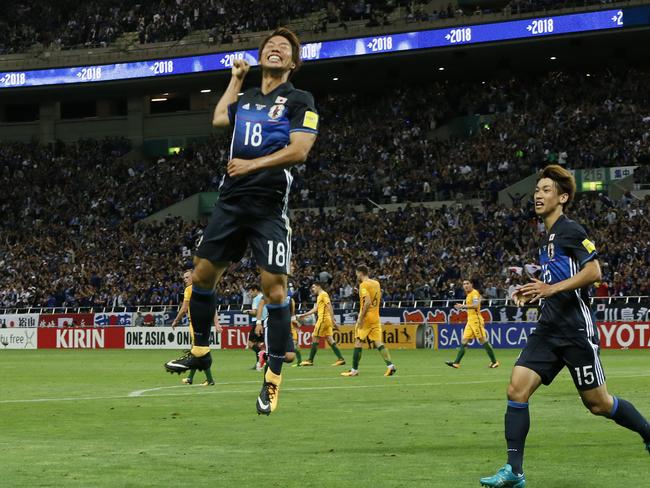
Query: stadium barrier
[[613, 335], [622, 324]]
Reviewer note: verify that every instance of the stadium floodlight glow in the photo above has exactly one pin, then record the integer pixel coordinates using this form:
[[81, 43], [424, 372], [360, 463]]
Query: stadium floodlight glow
[[335, 78], [240, 93], [553, 58], [206, 91], [158, 99], [442, 68]]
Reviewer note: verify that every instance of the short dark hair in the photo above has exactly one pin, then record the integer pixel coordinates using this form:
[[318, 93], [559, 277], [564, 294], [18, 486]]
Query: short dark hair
[[563, 179], [471, 280], [362, 268], [290, 36]]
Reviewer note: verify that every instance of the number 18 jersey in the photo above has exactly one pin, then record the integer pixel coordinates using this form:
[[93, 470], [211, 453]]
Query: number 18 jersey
[[262, 125]]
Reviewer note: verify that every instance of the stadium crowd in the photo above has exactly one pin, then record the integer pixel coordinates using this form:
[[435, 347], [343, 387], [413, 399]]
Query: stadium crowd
[[70, 231], [69, 24], [417, 253]]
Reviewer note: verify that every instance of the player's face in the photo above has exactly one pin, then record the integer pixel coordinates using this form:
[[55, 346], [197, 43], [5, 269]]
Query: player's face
[[314, 290], [547, 199], [467, 286], [276, 54], [187, 278]]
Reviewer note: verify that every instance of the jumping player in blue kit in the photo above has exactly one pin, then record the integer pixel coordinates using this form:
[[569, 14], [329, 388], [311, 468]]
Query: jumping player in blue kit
[[273, 128], [566, 335]]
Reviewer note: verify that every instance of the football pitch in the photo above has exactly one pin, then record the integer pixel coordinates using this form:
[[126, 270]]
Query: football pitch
[[116, 419]]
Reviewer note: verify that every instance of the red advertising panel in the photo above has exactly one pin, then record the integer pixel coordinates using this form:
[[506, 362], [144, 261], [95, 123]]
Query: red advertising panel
[[234, 337], [66, 320], [624, 335], [81, 338]]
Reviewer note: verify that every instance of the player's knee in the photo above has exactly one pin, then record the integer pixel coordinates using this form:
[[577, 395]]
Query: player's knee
[[289, 357], [204, 274], [597, 407], [517, 394], [276, 295]]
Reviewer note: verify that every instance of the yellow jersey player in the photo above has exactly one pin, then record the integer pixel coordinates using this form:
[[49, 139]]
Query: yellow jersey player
[[475, 327], [203, 353], [368, 327], [325, 325]]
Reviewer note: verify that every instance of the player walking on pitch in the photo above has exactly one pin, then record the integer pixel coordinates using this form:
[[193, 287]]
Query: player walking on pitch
[[368, 327], [565, 334], [274, 128], [475, 327], [325, 325]]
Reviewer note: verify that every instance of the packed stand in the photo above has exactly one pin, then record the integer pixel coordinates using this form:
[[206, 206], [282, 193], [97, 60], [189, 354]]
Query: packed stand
[[417, 254], [71, 209], [69, 24]]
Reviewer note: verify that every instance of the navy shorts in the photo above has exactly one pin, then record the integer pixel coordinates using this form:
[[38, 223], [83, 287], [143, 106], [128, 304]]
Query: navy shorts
[[547, 356], [241, 222]]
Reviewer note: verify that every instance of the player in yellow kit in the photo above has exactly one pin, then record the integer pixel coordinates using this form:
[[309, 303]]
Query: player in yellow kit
[[475, 327], [368, 327], [171, 366], [324, 327]]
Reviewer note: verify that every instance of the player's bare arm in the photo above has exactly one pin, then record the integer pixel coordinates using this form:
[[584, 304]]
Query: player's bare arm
[[181, 313], [464, 306], [313, 311], [334, 324], [588, 275], [259, 326], [364, 310], [217, 325], [239, 70], [295, 153]]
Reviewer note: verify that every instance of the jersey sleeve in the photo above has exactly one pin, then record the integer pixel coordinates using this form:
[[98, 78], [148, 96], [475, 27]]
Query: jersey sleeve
[[363, 292], [578, 245], [321, 307], [187, 294], [303, 116], [232, 111]]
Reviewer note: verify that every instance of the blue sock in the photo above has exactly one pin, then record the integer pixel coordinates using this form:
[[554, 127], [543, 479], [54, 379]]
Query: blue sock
[[517, 425], [278, 330], [625, 415], [203, 305]]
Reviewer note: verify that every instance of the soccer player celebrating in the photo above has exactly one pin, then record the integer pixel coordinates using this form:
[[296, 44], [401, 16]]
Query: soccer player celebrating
[[368, 327], [324, 327], [209, 380], [475, 327], [255, 341], [565, 334], [274, 127]]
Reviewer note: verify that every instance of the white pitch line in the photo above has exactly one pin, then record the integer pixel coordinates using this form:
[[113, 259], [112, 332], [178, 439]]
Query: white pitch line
[[225, 392], [298, 389], [138, 393]]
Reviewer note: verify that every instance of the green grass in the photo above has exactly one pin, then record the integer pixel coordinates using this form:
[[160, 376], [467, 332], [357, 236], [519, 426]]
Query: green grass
[[428, 426]]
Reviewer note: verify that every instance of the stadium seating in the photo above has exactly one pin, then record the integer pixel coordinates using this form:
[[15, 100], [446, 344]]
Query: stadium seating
[[86, 200], [67, 24]]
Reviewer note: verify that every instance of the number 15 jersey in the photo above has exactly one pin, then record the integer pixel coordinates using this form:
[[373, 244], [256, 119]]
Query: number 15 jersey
[[262, 125]]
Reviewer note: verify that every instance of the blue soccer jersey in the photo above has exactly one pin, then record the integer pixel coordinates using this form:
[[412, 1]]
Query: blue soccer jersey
[[262, 125], [563, 253]]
